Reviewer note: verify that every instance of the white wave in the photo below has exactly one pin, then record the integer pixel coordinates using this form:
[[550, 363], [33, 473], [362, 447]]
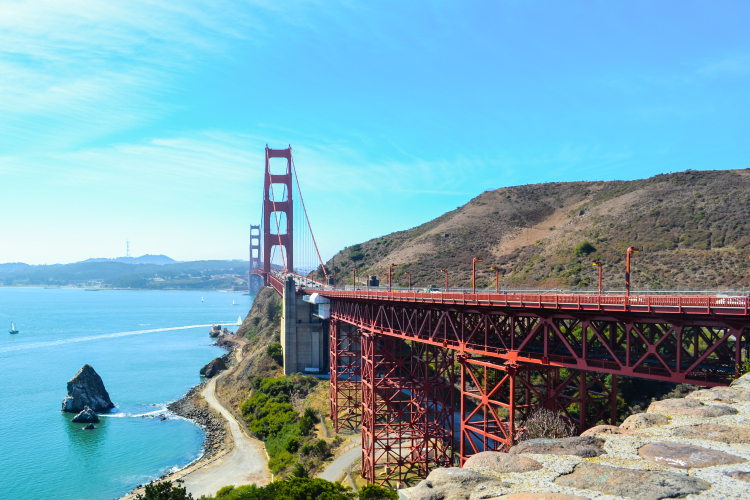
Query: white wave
[[101, 337], [161, 411]]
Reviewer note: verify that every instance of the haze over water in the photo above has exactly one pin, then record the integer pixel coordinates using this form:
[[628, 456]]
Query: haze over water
[[43, 454]]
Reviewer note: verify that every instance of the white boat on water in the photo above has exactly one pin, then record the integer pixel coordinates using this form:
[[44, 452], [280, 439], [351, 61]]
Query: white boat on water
[[239, 320], [234, 304], [13, 328], [201, 299]]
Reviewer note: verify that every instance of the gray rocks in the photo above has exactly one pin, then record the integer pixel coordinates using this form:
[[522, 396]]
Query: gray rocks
[[86, 416], [723, 394], [502, 462], [86, 389], [740, 476], [743, 382], [582, 446], [606, 430], [686, 456], [215, 331], [214, 367], [453, 483], [690, 407], [643, 421], [714, 432], [89, 427], [640, 484], [211, 423]]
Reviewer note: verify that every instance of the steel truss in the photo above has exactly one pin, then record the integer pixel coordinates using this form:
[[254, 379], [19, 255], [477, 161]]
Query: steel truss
[[346, 375], [407, 400], [498, 398], [692, 349]]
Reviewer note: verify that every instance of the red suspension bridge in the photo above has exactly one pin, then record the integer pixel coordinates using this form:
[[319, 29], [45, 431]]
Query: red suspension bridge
[[433, 378]]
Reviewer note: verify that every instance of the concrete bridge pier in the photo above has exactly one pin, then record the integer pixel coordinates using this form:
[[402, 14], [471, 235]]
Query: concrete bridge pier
[[304, 331]]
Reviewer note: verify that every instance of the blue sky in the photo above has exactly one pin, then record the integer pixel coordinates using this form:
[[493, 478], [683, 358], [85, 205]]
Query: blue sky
[[147, 119]]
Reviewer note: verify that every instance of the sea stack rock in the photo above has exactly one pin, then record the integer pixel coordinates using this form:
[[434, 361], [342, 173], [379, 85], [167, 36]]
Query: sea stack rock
[[87, 416], [86, 389], [213, 368]]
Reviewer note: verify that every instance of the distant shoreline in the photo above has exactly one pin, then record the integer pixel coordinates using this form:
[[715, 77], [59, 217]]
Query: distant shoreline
[[131, 289]]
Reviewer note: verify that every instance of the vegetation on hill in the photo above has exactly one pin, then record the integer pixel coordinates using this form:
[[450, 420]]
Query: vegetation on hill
[[692, 228]]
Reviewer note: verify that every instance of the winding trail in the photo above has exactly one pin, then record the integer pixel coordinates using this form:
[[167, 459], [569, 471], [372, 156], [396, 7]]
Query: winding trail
[[245, 464], [336, 468]]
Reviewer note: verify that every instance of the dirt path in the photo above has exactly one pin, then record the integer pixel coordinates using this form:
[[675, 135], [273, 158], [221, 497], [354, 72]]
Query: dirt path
[[245, 464], [338, 466]]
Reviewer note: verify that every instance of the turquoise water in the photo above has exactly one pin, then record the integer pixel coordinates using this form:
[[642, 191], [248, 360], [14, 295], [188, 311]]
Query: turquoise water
[[43, 454]]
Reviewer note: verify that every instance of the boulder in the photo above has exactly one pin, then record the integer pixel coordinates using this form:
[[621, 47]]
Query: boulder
[[606, 429], [686, 456], [722, 394], [452, 483], [502, 462], [632, 483], [714, 432], [643, 421], [86, 389], [214, 367], [86, 416], [89, 427], [690, 407], [739, 475], [742, 382], [581, 446]]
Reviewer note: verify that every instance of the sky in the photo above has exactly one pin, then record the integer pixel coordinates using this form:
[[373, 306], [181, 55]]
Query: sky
[[147, 120]]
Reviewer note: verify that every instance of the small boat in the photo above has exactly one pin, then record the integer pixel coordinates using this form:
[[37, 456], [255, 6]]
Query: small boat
[[234, 304], [13, 328], [239, 320], [201, 299]]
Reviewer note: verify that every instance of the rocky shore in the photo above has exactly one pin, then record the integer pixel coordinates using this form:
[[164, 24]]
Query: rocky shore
[[192, 407]]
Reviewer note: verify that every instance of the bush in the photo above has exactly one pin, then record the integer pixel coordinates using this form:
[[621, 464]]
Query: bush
[[299, 471], [584, 248], [224, 491], [545, 423], [276, 353], [375, 492], [294, 488], [165, 491]]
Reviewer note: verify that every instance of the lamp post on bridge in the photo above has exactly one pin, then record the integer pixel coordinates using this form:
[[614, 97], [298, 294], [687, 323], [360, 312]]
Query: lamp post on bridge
[[446, 279], [334, 279], [627, 269], [390, 268], [474, 274], [355, 278], [409, 274], [598, 264], [497, 279]]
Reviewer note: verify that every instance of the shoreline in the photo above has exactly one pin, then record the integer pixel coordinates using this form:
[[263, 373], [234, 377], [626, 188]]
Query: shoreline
[[191, 406]]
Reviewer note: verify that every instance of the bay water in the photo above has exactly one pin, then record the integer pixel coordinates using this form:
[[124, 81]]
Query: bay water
[[148, 347]]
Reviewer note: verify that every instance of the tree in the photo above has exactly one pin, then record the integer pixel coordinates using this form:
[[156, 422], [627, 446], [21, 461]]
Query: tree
[[165, 491], [276, 353], [300, 471], [375, 492]]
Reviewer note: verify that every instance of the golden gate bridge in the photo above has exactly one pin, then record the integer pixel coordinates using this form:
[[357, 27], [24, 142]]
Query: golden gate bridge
[[422, 371]]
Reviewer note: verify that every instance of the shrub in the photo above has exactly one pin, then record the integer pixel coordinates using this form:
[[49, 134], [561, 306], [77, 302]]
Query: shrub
[[375, 492], [224, 491], [583, 249], [276, 353], [299, 471], [165, 491], [545, 423]]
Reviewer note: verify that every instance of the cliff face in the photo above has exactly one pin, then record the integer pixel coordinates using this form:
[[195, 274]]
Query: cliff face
[[691, 227], [86, 389]]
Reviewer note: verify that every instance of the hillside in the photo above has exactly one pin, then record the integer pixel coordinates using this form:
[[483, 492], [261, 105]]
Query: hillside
[[692, 227]]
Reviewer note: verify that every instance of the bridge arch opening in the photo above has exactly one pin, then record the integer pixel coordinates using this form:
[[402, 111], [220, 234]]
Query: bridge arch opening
[[278, 166]]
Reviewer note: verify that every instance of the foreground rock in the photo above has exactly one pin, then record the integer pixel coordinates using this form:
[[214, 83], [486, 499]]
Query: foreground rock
[[87, 416], [641, 484], [89, 427], [495, 461], [213, 368], [690, 407], [714, 432], [86, 389], [582, 446], [453, 483], [686, 456], [643, 421]]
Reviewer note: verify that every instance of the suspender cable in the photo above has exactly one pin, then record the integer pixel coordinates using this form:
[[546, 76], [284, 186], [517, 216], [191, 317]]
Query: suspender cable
[[306, 217]]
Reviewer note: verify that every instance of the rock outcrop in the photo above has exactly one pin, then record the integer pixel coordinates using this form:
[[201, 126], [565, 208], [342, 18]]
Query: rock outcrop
[[87, 416], [213, 368], [86, 389], [697, 446]]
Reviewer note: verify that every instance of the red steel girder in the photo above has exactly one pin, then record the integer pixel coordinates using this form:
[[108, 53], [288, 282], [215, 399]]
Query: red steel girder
[[345, 375], [407, 400], [701, 350]]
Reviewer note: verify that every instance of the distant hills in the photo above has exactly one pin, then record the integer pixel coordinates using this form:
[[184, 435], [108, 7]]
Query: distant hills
[[143, 259], [693, 228]]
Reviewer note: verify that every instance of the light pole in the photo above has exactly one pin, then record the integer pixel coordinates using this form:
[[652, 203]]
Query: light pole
[[474, 274], [409, 275], [497, 279], [627, 268], [389, 276], [598, 264], [334, 279], [355, 278], [446, 279]]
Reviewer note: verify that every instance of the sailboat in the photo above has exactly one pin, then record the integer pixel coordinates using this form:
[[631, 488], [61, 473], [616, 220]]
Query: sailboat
[[13, 328], [234, 304], [239, 320], [201, 299]]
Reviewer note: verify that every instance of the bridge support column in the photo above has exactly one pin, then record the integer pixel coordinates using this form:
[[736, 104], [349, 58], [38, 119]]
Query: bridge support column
[[407, 422], [346, 375]]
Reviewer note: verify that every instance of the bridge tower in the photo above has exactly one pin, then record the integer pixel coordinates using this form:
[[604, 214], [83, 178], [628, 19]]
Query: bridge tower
[[273, 205], [252, 279]]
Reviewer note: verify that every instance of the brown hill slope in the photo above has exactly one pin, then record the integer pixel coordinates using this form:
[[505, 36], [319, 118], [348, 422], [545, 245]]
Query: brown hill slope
[[693, 229]]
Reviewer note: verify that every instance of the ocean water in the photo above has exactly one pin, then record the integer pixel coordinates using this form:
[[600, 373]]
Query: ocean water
[[131, 339]]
